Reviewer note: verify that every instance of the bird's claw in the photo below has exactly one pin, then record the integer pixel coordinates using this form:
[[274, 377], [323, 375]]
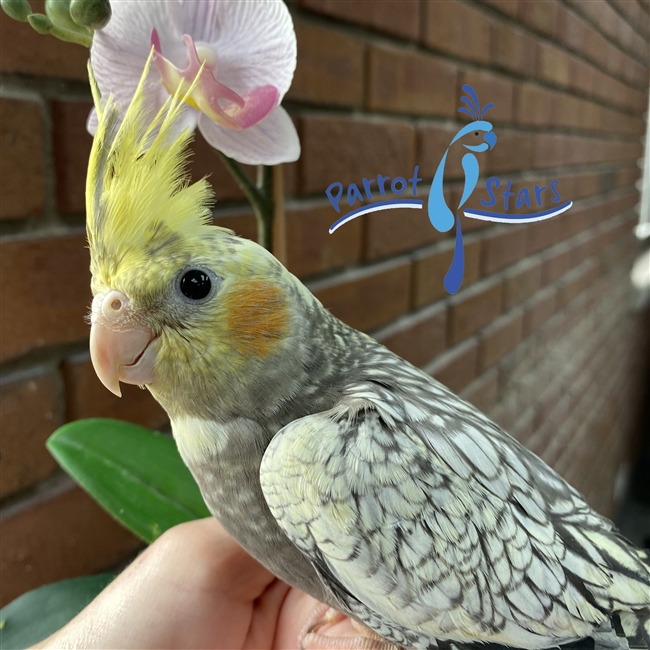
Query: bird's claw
[[311, 639]]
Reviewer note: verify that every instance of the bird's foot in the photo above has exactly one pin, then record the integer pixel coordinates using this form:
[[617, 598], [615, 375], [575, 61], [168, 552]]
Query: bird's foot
[[343, 633]]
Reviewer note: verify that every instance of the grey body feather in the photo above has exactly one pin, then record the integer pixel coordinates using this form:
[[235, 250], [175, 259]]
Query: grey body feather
[[375, 489]]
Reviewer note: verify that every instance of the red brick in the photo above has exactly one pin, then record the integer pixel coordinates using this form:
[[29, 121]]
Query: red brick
[[513, 152], [499, 338], [503, 248], [522, 282], [634, 14], [513, 49], [572, 29], [576, 282], [420, 337], [548, 150], [554, 64], [583, 248], [533, 105], [541, 16], [394, 231], [482, 392], [367, 299], [205, 162], [399, 17], [310, 247], [625, 177], [541, 235], [431, 266], [582, 76], [492, 89], [29, 412], [585, 185], [509, 7], [243, 223], [86, 397], [347, 150], [21, 158], [596, 48], [72, 145], [401, 81], [589, 115], [607, 19], [457, 368], [47, 283], [59, 536], [432, 144], [24, 51], [539, 310], [474, 308], [459, 29], [556, 263], [330, 67], [566, 110]]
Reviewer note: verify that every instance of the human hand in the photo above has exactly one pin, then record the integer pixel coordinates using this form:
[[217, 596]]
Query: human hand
[[194, 587]]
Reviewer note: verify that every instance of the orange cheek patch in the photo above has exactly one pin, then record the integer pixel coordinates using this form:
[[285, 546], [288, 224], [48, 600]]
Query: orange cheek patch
[[257, 317]]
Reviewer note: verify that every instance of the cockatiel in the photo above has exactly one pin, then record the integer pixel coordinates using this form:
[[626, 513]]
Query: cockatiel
[[345, 470]]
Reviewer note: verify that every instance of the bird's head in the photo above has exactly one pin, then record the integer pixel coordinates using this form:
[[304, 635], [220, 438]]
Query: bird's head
[[179, 305], [478, 135]]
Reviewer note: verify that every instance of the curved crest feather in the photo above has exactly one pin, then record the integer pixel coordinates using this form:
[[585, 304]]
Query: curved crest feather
[[138, 195], [474, 105]]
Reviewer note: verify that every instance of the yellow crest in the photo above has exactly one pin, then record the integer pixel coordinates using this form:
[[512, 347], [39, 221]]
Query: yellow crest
[[138, 196]]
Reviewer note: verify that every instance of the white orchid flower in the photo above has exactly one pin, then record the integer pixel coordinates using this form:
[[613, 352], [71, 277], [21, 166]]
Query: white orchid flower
[[248, 52]]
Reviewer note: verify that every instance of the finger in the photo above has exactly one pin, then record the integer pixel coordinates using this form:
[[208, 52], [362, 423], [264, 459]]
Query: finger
[[296, 610], [177, 594], [204, 554], [266, 612]]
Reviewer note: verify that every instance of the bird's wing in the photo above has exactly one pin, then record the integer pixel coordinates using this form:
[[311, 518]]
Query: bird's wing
[[446, 527]]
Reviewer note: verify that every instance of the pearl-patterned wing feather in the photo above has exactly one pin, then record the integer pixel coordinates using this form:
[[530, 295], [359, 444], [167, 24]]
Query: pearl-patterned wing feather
[[430, 523]]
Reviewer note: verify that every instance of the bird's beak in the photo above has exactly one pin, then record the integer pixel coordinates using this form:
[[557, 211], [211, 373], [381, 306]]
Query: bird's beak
[[491, 138], [121, 348]]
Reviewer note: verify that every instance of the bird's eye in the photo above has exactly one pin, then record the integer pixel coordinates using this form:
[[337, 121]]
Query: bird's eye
[[475, 132], [195, 284]]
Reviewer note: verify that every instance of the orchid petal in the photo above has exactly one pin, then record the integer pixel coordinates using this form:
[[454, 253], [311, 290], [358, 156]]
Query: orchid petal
[[120, 50], [255, 41], [270, 142], [238, 113], [249, 50], [258, 104]]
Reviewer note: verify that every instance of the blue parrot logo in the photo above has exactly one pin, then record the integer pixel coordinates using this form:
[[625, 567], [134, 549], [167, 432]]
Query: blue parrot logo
[[477, 136], [441, 217]]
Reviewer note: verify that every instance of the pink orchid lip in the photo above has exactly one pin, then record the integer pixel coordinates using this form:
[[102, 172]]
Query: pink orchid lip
[[235, 112]]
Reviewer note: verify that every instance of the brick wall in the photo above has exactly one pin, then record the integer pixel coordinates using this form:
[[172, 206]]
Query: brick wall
[[541, 336]]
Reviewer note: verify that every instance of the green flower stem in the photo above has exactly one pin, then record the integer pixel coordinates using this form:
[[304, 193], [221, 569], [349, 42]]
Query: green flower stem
[[260, 196], [265, 217]]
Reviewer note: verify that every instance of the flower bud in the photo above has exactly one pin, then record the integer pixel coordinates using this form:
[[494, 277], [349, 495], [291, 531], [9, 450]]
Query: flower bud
[[42, 24], [16, 9], [58, 11], [91, 13]]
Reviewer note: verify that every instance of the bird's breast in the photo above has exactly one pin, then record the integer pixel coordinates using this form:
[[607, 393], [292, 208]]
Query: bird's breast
[[225, 462]]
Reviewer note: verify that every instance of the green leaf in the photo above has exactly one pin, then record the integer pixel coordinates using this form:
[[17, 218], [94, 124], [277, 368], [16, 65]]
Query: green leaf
[[136, 474], [35, 615]]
